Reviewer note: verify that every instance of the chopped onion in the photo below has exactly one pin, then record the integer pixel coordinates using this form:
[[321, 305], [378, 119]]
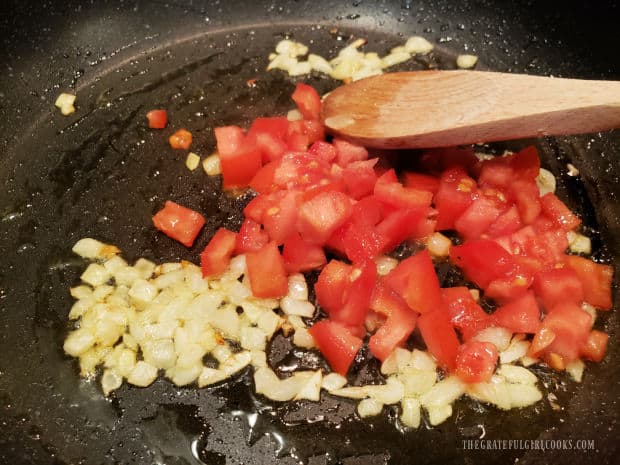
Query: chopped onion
[[418, 45], [498, 336], [517, 375], [545, 182], [65, 103], [575, 370], [410, 415], [444, 392], [466, 61], [142, 374], [369, 408], [192, 161], [211, 165], [417, 382], [294, 115], [438, 245], [389, 393], [302, 308], [333, 381], [578, 243], [95, 275]]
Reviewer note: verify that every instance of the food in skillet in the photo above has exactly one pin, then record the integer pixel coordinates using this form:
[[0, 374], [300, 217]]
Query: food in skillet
[[324, 205]]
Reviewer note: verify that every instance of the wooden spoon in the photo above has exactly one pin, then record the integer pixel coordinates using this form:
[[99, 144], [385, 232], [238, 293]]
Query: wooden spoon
[[446, 108]]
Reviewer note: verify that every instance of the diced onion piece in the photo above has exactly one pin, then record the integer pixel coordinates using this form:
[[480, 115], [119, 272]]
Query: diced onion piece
[[575, 370], [142, 374], [389, 393], [545, 182], [417, 382], [259, 358], [422, 360], [302, 308], [418, 45], [351, 392], [590, 310], [311, 390], [396, 361], [444, 392], [78, 342], [522, 395], [210, 376], [269, 322], [319, 64], [303, 338], [385, 264], [80, 307], [211, 165], [437, 414], [410, 415], [395, 58], [516, 374], [95, 275], [291, 48], [92, 248], [333, 381], [339, 121], [65, 103], [491, 392], [159, 353], [294, 115], [578, 243], [236, 363], [369, 408], [252, 338], [572, 170], [110, 381], [192, 161], [466, 61], [438, 245], [514, 351], [297, 287], [299, 68], [528, 361], [145, 268], [142, 292], [498, 336]]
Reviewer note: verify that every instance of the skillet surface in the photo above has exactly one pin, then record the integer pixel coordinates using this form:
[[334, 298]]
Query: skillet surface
[[101, 173]]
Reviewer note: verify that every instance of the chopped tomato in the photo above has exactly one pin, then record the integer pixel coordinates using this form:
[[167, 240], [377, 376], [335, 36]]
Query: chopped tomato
[[527, 199], [240, 159], [558, 285], [179, 223], [320, 216], [267, 272], [263, 181], [465, 314], [270, 146], [181, 139], [399, 226], [595, 346], [361, 240], [454, 195], [323, 150], [280, 218], [520, 315], [157, 119], [359, 177], [596, 279], [422, 182], [394, 194], [496, 172], [251, 237], [336, 343], [439, 337], [475, 361], [506, 223], [308, 101], [300, 255], [554, 209], [357, 295], [526, 163], [215, 258], [422, 292], [478, 217], [256, 208], [332, 284], [571, 326], [347, 153]]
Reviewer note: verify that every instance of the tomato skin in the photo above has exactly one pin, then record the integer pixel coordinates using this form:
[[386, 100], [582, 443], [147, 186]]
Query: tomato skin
[[181, 139], [240, 159], [475, 361], [596, 279], [267, 273], [399, 324], [527, 198], [526, 163], [357, 295], [158, 119], [179, 223], [332, 284], [554, 209], [307, 100], [595, 346], [439, 337], [251, 237], [558, 285], [422, 292], [336, 343], [215, 257], [300, 255], [520, 315], [465, 314], [320, 216]]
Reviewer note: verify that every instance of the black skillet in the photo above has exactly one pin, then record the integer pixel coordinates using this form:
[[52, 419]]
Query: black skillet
[[102, 173]]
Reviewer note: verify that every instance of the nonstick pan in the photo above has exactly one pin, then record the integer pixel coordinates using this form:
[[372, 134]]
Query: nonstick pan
[[102, 173]]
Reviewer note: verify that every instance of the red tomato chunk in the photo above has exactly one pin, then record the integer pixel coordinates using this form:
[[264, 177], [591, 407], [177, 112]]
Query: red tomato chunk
[[179, 223], [157, 119]]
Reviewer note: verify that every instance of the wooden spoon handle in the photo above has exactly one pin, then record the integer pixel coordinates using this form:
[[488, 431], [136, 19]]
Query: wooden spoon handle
[[445, 108]]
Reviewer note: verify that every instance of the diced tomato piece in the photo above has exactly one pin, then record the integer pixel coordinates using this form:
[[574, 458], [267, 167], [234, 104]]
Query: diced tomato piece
[[475, 361], [512, 287], [439, 337], [387, 177], [336, 343], [520, 315], [361, 240], [542, 339], [359, 177], [157, 119], [478, 217], [277, 126], [595, 346], [558, 285], [251, 237], [314, 129], [507, 223], [527, 198], [270, 146], [442, 159], [347, 153], [323, 150], [179, 223], [596, 279], [395, 195], [357, 296], [307, 100], [332, 284], [454, 195], [399, 226], [423, 182], [240, 159], [483, 261], [267, 273], [215, 258], [280, 219], [422, 292], [320, 216], [256, 208], [368, 210], [263, 181], [465, 313], [571, 326], [300, 255], [496, 172], [399, 324], [554, 209], [526, 163], [181, 139], [302, 133]]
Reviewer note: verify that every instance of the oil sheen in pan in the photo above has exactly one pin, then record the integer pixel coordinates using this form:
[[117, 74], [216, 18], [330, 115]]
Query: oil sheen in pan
[[109, 174]]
